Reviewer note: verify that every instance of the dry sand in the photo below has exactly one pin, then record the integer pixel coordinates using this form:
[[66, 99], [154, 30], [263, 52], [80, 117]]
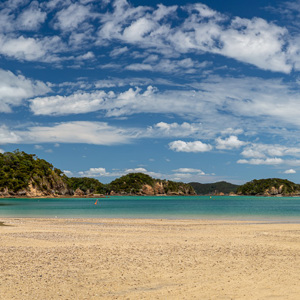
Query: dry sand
[[148, 259]]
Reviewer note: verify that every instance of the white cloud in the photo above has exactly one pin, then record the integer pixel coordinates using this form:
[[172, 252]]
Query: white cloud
[[138, 29], [256, 42], [8, 136], [68, 173], [16, 88], [253, 41], [186, 65], [197, 146], [139, 67], [2, 151], [32, 17], [94, 172], [31, 49], [86, 56], [290, 171], [230, 143], [198, 29], [189, 170], [259, 161], [38, 147], [118, 51], [163, 129], [232, 131], [71, 17], [241, 103], [97, 133], [73, 104], [256, 150]]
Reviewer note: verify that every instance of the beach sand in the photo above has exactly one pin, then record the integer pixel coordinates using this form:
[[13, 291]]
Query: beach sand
[[148, 259]]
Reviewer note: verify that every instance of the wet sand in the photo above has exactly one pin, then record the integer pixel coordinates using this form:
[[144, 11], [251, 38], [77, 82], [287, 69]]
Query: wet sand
[[148, 259]]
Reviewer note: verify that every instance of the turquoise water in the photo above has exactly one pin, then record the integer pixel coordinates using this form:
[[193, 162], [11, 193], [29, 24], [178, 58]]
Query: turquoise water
[[197, 207]]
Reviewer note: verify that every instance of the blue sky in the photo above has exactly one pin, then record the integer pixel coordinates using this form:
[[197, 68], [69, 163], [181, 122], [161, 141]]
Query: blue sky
[[181, 90]]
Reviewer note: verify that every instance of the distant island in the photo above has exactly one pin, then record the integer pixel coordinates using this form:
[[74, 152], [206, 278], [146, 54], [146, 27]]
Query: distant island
[[269, 187], [26, 175]]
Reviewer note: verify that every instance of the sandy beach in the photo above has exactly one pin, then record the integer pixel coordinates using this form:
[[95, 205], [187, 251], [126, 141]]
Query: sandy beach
[[148, 259]]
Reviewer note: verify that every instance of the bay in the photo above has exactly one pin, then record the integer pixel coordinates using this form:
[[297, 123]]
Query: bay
[[282, 209]]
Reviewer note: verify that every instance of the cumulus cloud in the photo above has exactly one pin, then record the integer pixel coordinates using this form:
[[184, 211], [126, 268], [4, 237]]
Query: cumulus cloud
[[94, 172], [230, 143], [14, 89], [31, 48], [185, 129], [290, 171], [197, 146], [256, 42]]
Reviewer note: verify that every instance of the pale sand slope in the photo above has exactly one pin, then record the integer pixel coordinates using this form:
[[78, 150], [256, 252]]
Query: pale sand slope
[[148, 259]]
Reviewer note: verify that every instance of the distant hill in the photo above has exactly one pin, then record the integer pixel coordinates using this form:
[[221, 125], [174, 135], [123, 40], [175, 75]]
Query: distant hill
[[25, 175], [269, 187], [214, 188], [143, 184]]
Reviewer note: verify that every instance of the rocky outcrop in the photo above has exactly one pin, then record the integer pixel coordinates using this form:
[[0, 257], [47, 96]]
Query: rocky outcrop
[[159, 188], [52, 186], [79, 193], [147, 190]]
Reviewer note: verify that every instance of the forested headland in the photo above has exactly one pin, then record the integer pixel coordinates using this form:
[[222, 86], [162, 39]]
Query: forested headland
[[26, 175]]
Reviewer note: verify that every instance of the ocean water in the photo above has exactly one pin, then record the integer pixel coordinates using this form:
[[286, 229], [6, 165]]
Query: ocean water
[[282, 209]]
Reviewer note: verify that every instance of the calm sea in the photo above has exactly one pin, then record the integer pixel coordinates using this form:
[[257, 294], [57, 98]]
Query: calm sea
[[286, 209]]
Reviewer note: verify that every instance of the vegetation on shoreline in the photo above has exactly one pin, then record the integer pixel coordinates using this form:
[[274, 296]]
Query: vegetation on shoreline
[[217, 188], [139, 183], [23, 174], [269, 187]]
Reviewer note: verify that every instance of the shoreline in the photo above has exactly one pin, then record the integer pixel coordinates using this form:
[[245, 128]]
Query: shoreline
[[148, 259], [157, 195], [235, 220]]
